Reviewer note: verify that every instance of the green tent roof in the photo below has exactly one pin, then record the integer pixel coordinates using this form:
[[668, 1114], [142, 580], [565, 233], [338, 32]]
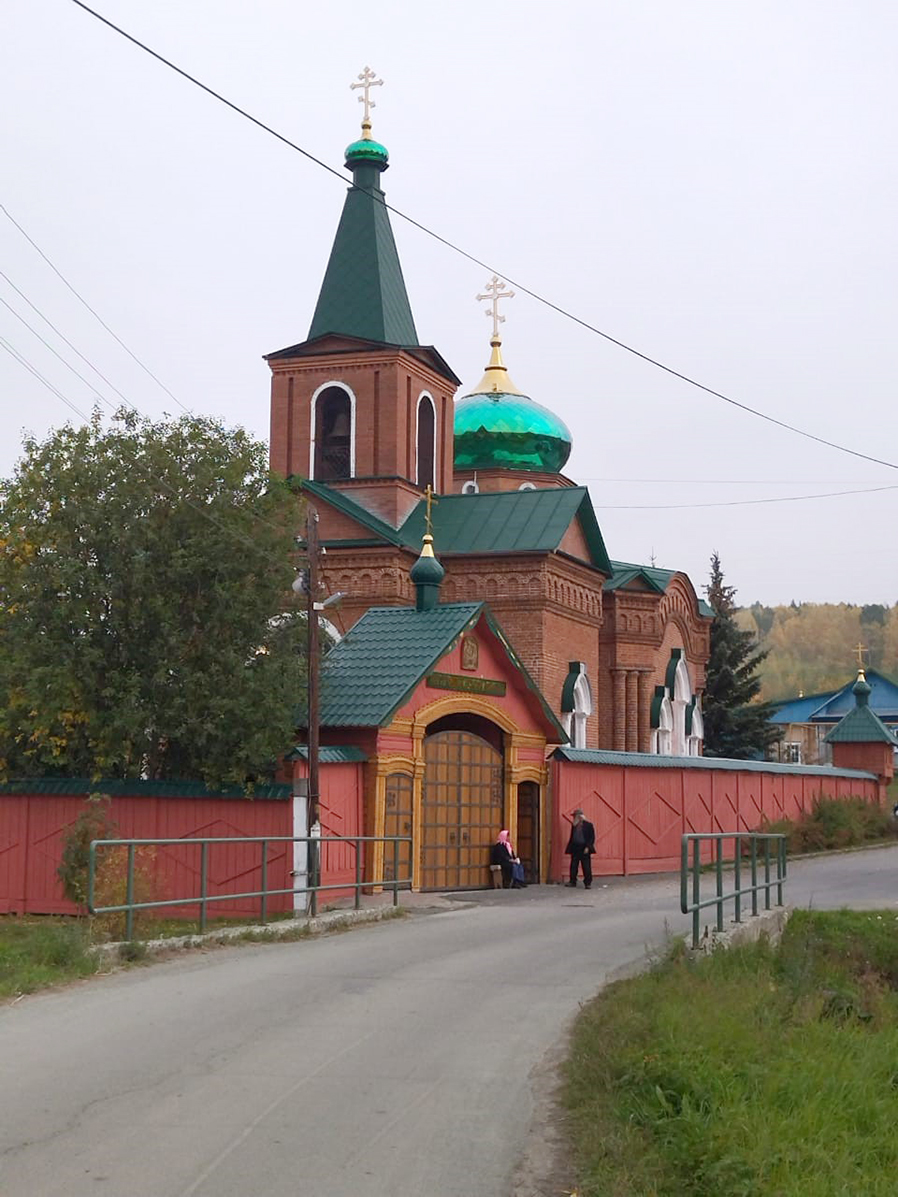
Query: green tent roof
[[861, 726], [363, 293]]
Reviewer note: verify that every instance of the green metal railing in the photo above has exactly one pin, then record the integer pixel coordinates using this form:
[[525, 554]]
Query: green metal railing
[[204, 898], [772, 853]]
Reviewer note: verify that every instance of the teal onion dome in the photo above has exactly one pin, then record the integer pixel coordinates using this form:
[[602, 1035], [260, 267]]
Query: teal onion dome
[[503, 431], [367, 150], [496, 427]]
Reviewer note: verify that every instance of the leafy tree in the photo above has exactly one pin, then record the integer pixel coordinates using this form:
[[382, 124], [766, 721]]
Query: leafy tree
[[735, 725], [144, 628]]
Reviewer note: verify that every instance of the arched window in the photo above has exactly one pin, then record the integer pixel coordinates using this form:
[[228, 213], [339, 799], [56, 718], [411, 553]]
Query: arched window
[[695, 727], [333, 433], [662, 737], [576, 703], [682, 694], [426, 443]]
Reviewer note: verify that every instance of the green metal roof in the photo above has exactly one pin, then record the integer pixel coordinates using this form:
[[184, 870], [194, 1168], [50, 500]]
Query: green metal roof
[[116, 788], [368, 675], [331, 754], [623, 572], [377, 664], [518, 521], [355, 511], [861, 726], [363, 293], [648, 760]]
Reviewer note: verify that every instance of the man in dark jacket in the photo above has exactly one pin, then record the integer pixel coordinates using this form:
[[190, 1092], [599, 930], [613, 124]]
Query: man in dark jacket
[[580, 848]]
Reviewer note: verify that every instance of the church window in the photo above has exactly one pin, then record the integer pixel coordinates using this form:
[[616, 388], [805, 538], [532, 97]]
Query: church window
[[682, 693], [333, 433], [576, 703], [662, 737], [427, 424]]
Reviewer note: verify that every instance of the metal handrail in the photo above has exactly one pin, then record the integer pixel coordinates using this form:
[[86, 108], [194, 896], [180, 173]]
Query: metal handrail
[[204, 898], [754, 838]]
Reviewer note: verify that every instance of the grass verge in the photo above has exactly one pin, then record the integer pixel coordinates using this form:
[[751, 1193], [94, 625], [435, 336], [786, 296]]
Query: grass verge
[[757, 1072], [35, 953]]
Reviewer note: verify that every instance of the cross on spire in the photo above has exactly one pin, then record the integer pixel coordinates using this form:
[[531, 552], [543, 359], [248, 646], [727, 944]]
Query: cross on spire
[[430, 500], [495, 290], [860, 650], [367, 81]]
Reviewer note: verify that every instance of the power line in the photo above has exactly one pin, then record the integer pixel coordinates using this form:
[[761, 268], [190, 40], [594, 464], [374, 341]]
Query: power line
[[246, 541], [479, 262], [832, 494], [94, 313], [261, 519]]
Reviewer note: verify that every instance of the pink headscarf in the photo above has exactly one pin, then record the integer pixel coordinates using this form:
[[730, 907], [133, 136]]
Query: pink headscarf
[[505, 841]]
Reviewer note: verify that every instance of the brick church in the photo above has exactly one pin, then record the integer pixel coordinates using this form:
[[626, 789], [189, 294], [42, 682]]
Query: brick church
[[369, 418]]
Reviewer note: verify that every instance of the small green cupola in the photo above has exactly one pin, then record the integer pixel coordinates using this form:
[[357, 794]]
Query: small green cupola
[[861, 725], [427, 575], [363, 293], [497, 426]]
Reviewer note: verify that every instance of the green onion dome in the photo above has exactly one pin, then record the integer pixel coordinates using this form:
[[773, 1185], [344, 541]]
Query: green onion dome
[[366, 149], [497, 427], [427, 571]]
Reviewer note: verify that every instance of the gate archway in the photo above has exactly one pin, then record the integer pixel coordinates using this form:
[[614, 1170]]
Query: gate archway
[[461, 809]]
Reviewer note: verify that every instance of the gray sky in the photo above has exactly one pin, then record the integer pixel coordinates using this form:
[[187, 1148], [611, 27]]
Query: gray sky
[[713, 183]]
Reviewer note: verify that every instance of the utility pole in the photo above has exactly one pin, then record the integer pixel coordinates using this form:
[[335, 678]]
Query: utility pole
[[314, 661]]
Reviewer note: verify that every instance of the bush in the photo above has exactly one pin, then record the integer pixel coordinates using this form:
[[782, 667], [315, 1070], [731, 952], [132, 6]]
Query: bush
[[93, 823], [836, 823]]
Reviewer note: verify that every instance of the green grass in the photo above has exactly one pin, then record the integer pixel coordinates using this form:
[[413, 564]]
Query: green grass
[[752, 1073], [37, 952]]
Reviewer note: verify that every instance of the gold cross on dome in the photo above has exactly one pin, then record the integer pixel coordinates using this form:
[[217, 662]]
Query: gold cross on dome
[[368, 81], [860, 650], [495, 290], [430, 500]]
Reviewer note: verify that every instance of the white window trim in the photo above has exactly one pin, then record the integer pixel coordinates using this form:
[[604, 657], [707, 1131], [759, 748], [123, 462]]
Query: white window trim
[[663, 737], [313, 413], [433, 408]]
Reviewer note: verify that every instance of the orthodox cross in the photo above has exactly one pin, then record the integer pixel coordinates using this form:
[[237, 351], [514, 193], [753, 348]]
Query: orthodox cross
[[367, 82], [428, 512], [860, 650], [495, 290]]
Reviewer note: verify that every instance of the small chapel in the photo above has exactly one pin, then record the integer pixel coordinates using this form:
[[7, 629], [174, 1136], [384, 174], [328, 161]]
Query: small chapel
[[395, 451]]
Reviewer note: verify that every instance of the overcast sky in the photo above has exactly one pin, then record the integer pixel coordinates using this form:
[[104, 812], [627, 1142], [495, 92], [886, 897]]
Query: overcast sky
[[713, 183]]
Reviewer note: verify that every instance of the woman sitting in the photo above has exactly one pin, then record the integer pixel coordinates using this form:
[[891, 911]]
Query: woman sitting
[[502, 854]]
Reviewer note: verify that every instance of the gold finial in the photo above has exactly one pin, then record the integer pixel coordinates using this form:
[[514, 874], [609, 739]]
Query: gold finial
[[495, 291], [860, 650], [367, 81]]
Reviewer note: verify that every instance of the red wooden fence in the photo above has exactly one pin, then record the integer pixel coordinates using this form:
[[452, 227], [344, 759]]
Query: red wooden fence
[[33, 825], [640, 812]]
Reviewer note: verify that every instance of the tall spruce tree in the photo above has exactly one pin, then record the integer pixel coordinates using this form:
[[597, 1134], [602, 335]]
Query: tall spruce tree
[[735, 725]]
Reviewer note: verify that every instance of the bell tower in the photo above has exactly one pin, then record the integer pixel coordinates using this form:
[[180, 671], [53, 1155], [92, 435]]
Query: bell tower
[[361, 405]]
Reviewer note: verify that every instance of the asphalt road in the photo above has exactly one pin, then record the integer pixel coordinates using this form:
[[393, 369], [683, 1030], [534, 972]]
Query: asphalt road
[[402, 1058]]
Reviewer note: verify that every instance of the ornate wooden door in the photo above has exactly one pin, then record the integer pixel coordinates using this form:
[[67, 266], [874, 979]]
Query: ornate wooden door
[[527, 844], [461, 811], [398, 821]]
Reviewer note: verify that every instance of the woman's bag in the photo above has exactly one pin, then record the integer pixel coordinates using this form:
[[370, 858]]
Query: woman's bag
[[517, 871]]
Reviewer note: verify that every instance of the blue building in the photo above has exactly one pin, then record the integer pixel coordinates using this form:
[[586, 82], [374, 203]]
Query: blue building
[[805, 720]]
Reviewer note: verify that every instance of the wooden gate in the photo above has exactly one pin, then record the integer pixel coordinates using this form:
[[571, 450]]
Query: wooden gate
[[398, 821], [461, 810], [527, 845]]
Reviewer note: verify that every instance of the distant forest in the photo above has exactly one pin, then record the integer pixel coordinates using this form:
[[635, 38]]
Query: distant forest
[[812, 646]]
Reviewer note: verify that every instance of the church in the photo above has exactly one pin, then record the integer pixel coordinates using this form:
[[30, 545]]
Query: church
[[394, 450]]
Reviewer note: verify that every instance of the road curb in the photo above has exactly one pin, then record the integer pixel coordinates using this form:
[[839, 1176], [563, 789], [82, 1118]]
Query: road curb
[[332, 920]]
